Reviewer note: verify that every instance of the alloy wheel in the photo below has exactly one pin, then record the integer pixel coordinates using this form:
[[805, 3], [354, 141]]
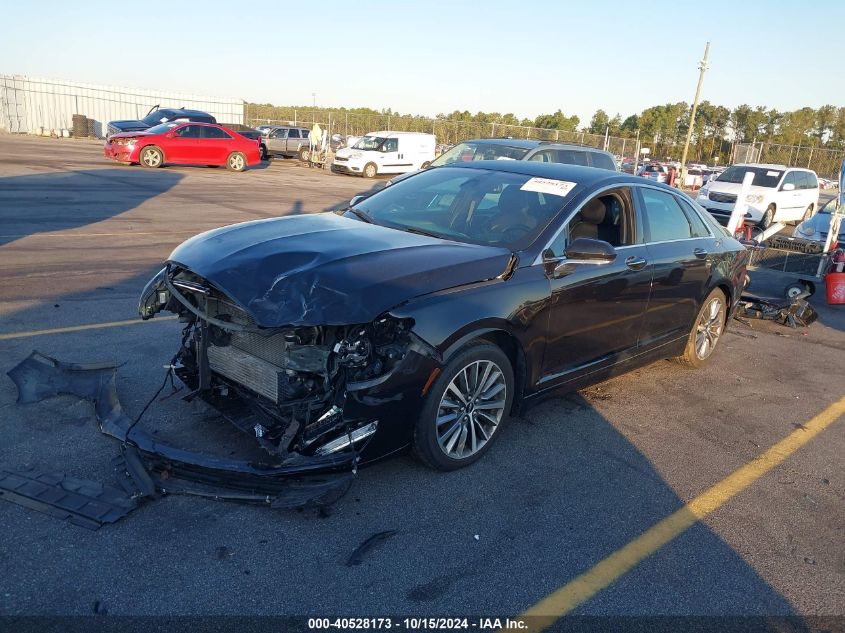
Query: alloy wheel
[[709, 328], [236, 162], [152, 158], [471, 409]]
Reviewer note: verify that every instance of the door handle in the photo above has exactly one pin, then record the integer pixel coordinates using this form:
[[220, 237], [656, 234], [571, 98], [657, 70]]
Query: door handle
[[635, 263], [700, 253]]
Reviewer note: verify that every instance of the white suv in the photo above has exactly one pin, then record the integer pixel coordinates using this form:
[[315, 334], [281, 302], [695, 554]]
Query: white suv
[[778, 193]]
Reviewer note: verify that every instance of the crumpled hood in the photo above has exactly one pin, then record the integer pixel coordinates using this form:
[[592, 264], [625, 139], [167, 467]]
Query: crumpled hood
[[326, 269], [129, 126]]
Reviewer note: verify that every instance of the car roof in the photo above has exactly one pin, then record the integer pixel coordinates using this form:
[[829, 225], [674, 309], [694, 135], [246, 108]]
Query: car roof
[[507, 142], [558, 171], [764, 165], [573, 147], [393, 133]]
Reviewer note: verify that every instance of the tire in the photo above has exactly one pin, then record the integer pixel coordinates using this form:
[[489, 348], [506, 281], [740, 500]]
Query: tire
[[151, 157], [449, 445], [370, 170], [262, 153], [425, 165], [807, 214], [768, 217], [304, 154], [796, 288], [713, 321], [236, 162]]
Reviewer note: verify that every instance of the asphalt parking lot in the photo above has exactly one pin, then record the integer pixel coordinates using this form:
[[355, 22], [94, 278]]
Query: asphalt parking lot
[[566, 486]]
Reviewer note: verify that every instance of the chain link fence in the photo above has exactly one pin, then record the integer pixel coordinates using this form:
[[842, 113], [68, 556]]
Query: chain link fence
[[447, 131], [825, 162]]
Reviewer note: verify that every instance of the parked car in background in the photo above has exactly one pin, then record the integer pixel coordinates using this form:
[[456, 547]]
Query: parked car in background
[[423, 315], [654, 171], [569, 154], [810, 235], [158, 116], [522, 149], [254, 134], [694, 178], [186, 144], [289, 141], [778, 193], [385, 152]]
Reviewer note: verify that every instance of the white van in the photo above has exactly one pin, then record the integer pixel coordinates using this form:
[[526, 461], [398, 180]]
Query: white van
[[386, 153], [778, 193]]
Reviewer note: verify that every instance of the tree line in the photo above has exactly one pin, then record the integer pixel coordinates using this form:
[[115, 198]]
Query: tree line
[[716, 127]]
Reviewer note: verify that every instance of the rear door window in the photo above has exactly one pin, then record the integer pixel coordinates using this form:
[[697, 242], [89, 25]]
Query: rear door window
[[293, 134], [602, 161], [214, 132], [665, 220]]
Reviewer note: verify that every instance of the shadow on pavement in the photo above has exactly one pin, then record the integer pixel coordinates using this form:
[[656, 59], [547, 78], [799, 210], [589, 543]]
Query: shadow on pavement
[[68, 200]]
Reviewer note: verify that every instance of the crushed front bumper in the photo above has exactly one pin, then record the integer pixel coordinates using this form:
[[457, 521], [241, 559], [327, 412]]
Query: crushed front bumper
[[157, 467]]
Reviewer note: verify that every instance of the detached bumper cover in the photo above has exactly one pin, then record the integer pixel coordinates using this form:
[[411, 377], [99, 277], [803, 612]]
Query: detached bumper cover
[[155, 466]]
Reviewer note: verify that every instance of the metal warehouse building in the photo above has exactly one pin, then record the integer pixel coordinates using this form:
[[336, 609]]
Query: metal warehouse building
[[30, 103]]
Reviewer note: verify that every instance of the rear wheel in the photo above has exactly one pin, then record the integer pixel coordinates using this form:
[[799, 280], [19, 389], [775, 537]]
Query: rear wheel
[[370, 170], [467, 405], [151, 157], [236, 161], [706, 331]]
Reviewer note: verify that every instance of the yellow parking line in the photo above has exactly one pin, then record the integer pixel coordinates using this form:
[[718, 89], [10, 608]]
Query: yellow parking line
[[562, 601], [79, 328]]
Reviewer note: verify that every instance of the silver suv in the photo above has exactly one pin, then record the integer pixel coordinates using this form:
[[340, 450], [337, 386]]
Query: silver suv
[[287, 140]]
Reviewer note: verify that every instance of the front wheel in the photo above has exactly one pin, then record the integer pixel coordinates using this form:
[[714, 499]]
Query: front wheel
[[706, 331], [370, 170], [808, 213], [768, 217], [151, 157], [304, 154], [236, 161], [465, 409], [425, 165], [262, 153]]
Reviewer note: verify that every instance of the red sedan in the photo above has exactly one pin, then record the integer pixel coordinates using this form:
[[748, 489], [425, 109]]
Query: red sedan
[[186, 143]]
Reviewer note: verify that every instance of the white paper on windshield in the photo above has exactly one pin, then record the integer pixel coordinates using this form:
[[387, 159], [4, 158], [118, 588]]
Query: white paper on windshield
[[773, 173], [549, 185]]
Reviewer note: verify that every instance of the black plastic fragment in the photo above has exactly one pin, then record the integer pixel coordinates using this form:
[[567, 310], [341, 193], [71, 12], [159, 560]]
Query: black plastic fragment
[[85, 503]]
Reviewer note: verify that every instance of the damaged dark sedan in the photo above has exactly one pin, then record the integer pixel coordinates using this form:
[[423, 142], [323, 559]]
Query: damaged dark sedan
[[426, 314]]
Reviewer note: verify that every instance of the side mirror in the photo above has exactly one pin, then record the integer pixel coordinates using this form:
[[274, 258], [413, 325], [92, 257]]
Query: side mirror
[[788, 187], [584, 249]]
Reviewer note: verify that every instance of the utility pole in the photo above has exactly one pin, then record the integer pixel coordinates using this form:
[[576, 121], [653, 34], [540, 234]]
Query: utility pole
[[702, 67]]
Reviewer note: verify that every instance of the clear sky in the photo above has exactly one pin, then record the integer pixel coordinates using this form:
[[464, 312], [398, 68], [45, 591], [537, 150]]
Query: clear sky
[[430, 56]]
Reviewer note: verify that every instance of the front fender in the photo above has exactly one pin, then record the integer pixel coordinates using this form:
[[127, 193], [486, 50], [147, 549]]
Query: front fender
[[449, 319]]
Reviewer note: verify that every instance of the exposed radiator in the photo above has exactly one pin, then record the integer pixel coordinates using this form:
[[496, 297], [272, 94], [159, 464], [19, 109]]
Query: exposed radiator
[[245, 369]]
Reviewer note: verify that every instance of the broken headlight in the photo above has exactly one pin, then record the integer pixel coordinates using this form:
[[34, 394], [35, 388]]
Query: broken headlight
[[154, 296]]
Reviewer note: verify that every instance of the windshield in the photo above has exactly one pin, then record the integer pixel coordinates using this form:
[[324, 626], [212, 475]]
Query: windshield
[[829, 206], [479, 151], [763, 176], [369, 143], [477, 206], [156, 117], [161, 129]]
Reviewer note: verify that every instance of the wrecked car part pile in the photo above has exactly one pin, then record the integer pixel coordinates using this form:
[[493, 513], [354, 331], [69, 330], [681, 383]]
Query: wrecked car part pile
[[148, 466], [794, 313]]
